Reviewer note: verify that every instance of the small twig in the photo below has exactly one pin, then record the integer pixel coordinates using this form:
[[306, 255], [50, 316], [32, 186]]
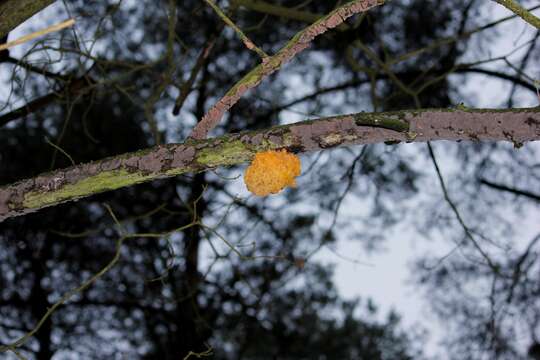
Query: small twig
[[515, 191], [60, 149], [468, 232], [39, 33], [65, 298], [249, 44], [208, 352], [188, 85], [518, 268]]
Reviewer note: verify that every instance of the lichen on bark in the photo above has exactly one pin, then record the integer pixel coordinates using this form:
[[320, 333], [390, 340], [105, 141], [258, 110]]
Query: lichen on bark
[[107, 180], [514, 125]]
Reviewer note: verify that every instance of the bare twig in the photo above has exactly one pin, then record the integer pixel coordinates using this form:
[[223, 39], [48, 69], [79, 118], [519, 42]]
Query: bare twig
[[208, 352], [188, 84], [22, 340], [249, 44], [529, 194], [518, 268], [456, 212], [26, 38], [58, 148]]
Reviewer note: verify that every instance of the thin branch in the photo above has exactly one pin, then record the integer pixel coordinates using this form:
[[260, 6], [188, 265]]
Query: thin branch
[[511, 190], [501, 75], [22, 340], [29, 67], [208, 352], [58, 148], [247, 41], [518, 268], [199, 64], [36, 34], [445, 41], [277, 10], [273, 63], [523, 64], [456, 212], [520, 11], [409, 74], [167, 76]]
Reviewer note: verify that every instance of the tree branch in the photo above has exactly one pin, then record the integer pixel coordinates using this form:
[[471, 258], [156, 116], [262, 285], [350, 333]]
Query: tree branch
[[76, 86], [298, 43], [36, 34], [277, 10], [15, 12], [515, 125], [520, 11], [511, 190]]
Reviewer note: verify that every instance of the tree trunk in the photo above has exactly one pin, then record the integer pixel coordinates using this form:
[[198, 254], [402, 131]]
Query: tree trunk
[[15, 12]]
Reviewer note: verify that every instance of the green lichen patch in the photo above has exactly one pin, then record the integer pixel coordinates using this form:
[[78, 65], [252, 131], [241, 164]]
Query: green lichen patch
[[394, 122], [228, 152], [108, 180], [179, 171]]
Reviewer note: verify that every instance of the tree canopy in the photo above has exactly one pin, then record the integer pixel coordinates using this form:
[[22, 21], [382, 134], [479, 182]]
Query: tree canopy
[[127, 231]]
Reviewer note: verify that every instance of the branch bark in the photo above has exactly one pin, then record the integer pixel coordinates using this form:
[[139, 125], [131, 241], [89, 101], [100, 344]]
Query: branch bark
[[15, 12], [26, 196]]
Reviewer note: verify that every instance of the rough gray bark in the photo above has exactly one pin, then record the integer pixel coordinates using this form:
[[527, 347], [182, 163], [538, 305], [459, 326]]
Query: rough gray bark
[[514, 125], [15, 12]]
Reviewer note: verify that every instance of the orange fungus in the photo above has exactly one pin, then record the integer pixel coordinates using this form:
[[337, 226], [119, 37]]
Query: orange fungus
[[271, 171]]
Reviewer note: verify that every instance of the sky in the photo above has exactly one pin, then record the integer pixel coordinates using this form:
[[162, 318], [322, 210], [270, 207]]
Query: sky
[[384, 276], [388, 280]]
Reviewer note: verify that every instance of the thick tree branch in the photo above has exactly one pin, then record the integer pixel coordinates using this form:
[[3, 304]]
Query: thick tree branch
[[15, 12], [298, 43], [515, 125]]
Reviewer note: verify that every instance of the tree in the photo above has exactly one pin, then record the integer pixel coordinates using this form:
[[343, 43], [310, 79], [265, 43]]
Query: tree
[[182, 280]]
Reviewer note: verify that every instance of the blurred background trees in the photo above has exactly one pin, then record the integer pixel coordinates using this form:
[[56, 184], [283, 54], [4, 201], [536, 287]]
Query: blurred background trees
[[219, 273]]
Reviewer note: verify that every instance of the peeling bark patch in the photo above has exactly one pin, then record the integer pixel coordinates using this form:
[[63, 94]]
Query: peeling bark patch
[[4, 201], [182, 155], [331, 140], [153, 162]]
